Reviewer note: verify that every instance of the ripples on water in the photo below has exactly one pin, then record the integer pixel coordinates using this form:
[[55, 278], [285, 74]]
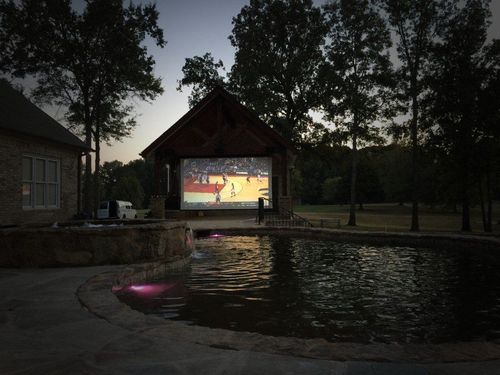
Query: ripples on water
[[339, 291]]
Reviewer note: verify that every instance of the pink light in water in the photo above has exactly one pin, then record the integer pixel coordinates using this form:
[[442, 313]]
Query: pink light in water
[[215, 235], [149, 290], [138, 287]]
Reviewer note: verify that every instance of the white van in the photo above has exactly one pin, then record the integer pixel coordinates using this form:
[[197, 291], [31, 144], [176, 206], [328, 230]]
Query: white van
[[116, 209]]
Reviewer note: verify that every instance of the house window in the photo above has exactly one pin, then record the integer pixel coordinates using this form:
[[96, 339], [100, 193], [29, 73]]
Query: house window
[[41, 182]]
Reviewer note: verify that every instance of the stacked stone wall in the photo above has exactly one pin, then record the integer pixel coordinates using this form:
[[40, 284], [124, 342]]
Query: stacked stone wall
[[122, 243]]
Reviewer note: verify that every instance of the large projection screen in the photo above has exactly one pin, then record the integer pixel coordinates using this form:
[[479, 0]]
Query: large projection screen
[[225, 183]]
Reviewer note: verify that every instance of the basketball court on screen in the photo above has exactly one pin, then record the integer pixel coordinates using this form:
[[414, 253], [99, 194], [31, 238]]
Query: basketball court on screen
[[244, 190]]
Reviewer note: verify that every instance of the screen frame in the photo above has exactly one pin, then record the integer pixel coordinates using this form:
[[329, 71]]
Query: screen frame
[[269, 202]]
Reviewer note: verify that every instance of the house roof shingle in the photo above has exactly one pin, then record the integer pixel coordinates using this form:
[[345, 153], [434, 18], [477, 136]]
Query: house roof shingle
[[19, 115]]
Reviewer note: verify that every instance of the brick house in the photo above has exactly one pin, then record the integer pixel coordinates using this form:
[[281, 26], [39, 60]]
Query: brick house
[[40, 163]]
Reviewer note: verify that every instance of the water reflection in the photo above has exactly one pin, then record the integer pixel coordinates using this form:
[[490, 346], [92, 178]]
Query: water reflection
[[340, 291]]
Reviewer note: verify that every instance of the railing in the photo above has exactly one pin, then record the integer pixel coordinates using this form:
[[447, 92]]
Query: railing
[[283, 217]]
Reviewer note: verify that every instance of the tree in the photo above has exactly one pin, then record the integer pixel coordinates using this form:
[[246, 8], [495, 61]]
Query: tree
[[369, 188], [489, 144], [329, 189], [143, 170], [128, 188], [393, 169], [297, 184], [275, 73], [202, 74], [357, 74], [463, 68], [317, 163], [91, 62], [115, 171], [110, 173], [415, 22], [278, 52]]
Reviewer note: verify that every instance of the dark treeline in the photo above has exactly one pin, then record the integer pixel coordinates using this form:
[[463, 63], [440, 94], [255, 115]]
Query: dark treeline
[[130, 182], [419, 75], [323, 177]]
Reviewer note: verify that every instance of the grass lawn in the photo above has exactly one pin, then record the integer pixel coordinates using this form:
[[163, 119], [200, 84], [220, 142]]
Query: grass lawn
[[394, 217]]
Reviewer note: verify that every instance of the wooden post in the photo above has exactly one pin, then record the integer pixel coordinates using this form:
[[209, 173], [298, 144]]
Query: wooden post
[[261, 210], [157, 174], [79, 185]]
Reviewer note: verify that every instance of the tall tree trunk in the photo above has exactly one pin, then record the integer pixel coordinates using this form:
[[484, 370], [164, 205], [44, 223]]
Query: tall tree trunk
[[414, 159], [481, 202], [97, 169], [79, 185], [489, 199], [87, 199], [354, 156], [465, 157], [466, 227]]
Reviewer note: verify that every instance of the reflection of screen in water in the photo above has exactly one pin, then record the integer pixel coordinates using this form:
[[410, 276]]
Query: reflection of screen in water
[[225, 183]]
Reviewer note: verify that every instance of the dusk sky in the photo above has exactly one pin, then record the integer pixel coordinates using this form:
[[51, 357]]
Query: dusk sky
[[191, 27]]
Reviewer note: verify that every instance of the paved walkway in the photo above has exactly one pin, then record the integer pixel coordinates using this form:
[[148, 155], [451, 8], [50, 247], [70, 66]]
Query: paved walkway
[[45, 330]]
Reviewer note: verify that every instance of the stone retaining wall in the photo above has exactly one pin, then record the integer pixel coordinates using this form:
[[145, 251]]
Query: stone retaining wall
[[83, 246]]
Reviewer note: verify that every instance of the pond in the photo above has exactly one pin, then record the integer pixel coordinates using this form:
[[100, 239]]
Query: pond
[[343, 292]]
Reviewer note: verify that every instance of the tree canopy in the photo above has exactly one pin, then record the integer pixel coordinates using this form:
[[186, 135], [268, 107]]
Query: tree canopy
[[357, 75], [202, 74], [91, 62], [416, 23], [278, 54], [462, 68]]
